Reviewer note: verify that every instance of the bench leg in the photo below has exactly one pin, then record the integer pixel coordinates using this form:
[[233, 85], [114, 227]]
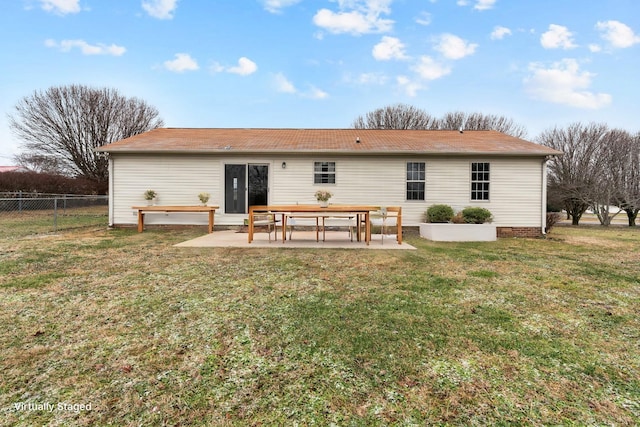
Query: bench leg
[[140, 221]]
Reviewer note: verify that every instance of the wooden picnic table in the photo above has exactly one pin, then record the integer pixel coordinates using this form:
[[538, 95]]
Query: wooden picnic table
[[359, 211], [149, 209]]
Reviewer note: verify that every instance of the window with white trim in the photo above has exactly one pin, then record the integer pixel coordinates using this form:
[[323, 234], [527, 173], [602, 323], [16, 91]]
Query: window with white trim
[[324, 172], [416, 180], [480, 180]]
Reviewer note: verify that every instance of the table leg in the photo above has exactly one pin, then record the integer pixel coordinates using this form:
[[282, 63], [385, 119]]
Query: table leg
[[367, 233], [211, 222], [250, 231], [140, 221], [284, 228]]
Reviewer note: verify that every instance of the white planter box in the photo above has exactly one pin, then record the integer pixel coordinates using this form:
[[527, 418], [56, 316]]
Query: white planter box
[[458, 232]]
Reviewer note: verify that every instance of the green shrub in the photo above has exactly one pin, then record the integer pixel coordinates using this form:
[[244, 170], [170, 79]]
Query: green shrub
[[475, 215], [439, 213]]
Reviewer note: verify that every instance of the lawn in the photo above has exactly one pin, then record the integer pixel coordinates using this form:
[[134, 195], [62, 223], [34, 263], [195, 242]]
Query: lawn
[[113, 327]]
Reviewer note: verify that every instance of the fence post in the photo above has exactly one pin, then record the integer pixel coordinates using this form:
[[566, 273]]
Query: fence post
[[20, 201], [55, 214]]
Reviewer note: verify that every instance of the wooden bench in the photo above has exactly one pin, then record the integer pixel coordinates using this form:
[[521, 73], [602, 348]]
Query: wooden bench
[[142, 210]]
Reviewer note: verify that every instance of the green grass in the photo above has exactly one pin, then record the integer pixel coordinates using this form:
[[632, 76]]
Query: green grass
[[28, 223], [513, 332]]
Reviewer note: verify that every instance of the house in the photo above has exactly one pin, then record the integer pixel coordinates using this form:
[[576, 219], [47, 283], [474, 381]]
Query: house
[[409, 168]]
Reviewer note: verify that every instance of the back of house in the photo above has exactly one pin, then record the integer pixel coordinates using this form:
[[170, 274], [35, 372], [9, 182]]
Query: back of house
[[413, 169]]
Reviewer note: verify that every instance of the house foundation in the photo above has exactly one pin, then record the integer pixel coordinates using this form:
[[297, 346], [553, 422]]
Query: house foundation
[[519, 231]]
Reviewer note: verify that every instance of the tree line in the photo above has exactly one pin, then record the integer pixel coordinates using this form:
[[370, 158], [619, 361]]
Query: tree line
[[599, 170], [402, 116]]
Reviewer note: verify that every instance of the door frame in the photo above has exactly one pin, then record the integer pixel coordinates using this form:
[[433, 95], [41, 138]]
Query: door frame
[[245, 191]]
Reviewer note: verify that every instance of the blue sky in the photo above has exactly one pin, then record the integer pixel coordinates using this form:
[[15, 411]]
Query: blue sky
[[322, 63]]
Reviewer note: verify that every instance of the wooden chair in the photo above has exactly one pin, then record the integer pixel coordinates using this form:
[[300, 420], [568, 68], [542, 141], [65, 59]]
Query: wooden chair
[[269, 220], [384, 218]]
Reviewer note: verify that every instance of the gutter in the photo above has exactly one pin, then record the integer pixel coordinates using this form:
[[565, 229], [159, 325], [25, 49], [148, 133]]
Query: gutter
[[543, 202], [333, 152]]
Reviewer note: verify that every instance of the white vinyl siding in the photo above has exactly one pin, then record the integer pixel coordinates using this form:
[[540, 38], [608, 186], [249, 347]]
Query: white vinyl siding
[[516, 184]]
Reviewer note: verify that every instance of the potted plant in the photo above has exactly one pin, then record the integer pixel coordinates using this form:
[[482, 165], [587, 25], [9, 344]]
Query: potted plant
[[150, 196], [469, 225], [204, 197], [323, 197]]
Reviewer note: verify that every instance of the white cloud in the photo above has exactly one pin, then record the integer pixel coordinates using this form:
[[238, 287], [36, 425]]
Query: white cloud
[[558, 36], [389, 48], [410, 87], [427, 68], [282, 84], [61, 7], [161, 9], [480, 4], [356, 17], [86, 48], [453, 47], [564, 83], [315, 93], [424, 18], [595, 48], [276, 6], [371, 79], [484, 4], [617, 34], [183, 62], [500, 32], [244, 68]]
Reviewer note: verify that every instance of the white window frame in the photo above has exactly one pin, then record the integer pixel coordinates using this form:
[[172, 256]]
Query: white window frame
[[480, 178], [422, 181], [322, 173]]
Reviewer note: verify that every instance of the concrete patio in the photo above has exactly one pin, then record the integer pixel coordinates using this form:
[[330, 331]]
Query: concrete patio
[[301, 239]]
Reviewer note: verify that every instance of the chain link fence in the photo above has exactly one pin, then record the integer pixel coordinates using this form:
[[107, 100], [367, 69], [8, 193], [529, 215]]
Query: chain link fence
[[24, 213]]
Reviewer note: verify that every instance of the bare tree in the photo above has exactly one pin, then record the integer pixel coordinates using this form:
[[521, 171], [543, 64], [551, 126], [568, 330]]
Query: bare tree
[[574, 175], [609, 174], [402, 116], [627, 171], [39, 163], [454, 120], [479, 121], [398, 116], [65, 124]]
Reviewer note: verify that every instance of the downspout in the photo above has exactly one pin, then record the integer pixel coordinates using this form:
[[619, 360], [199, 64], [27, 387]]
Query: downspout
[[543, 202], [111, 192]]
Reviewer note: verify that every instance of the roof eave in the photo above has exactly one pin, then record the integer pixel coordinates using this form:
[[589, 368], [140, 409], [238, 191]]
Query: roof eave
[[334, 152]]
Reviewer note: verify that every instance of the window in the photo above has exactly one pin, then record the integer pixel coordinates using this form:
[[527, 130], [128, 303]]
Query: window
[[415, 180], [479, 181], [324, 172]]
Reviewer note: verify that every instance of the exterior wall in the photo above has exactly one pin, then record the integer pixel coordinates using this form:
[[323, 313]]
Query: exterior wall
[[515, 188]]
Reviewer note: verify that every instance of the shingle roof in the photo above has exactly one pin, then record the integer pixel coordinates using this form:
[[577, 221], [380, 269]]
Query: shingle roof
[[338, 141]]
